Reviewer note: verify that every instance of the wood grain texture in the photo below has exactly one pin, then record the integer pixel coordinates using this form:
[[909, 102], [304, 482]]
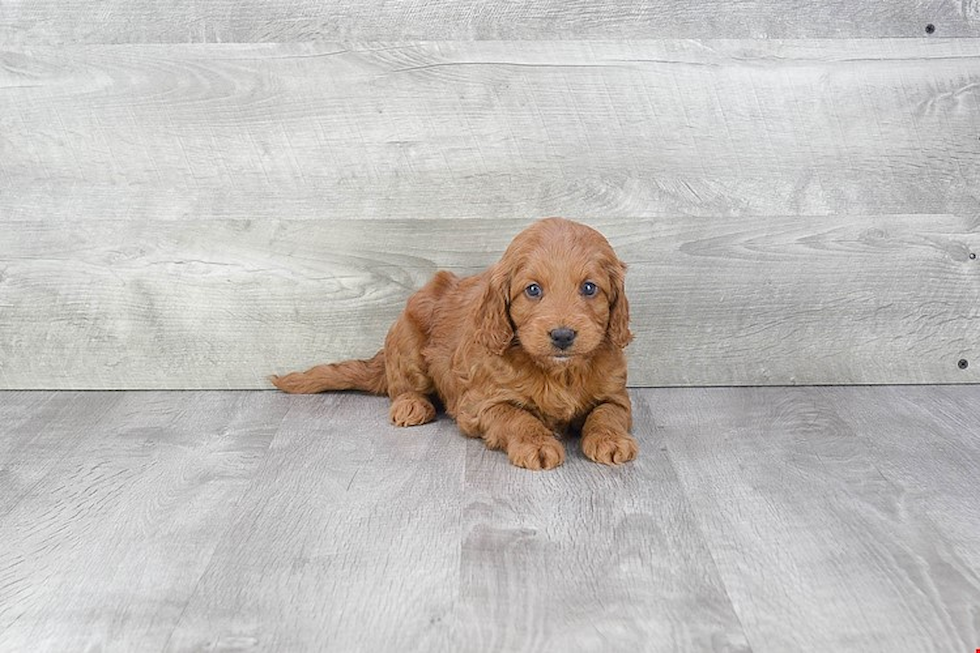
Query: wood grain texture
[[714, 301], [199, 216], [587, 558], [951, 453], [824, 538], [183, 21], [466, 130], [347, 533], [354, 522], [762, 519], [39, 430], [112, 538]]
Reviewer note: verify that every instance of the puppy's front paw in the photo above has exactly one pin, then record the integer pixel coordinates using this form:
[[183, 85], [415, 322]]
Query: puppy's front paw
[[411, 409], [609, 448], [536, 454]]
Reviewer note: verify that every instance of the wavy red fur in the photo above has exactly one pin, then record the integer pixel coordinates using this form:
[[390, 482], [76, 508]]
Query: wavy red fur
[[486, 348]]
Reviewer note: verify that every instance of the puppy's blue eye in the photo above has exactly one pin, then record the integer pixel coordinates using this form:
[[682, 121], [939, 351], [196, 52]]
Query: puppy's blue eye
[[533, 291], [589, 289]]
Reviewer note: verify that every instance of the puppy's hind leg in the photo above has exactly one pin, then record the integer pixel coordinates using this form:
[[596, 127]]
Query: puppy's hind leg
[[409, 384]]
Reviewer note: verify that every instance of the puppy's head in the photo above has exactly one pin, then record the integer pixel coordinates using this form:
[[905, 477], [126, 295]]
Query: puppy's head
[[559, 290]]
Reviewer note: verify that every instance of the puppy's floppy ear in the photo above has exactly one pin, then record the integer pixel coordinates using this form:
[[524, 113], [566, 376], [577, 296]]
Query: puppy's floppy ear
[[619, 308], [493, 326]]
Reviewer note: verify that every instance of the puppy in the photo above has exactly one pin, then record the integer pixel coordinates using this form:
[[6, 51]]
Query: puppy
[[529, 349]]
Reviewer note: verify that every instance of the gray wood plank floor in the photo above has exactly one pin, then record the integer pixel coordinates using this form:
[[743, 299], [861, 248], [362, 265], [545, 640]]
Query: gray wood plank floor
[[762, 519]]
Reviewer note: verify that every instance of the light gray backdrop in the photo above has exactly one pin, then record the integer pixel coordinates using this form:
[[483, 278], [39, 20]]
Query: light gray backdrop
[[198, 195]]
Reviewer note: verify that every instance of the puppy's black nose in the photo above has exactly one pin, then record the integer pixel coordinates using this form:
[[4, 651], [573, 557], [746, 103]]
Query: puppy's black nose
[[562, 337]]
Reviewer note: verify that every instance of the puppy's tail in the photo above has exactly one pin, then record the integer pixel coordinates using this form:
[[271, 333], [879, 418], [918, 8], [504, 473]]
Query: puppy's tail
[[365, 375]]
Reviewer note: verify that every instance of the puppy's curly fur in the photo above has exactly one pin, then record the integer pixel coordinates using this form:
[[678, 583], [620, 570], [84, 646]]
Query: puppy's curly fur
[[529, 349]]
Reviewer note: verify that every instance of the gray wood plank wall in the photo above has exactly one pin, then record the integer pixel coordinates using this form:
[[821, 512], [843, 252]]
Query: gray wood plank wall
[[250, 21], [181, 213]]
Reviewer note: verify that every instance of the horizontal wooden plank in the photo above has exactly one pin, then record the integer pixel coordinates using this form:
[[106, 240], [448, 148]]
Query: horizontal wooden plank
[[215, 21], [489, 129], [715, 301]]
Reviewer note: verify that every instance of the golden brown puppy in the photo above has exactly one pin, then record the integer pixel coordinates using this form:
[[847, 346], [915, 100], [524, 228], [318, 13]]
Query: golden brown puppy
[[529, 349]]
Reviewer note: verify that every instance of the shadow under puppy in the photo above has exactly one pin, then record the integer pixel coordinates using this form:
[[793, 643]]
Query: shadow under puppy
[[527, 350]]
